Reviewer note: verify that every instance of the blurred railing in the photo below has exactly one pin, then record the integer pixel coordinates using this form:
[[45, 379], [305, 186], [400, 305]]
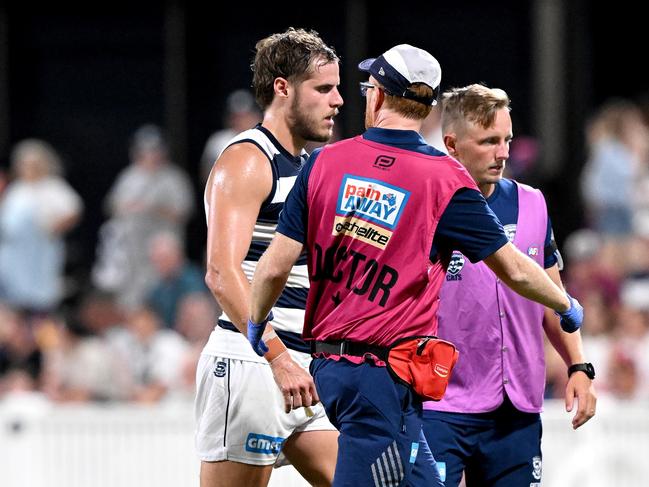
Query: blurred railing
[[42, 445]]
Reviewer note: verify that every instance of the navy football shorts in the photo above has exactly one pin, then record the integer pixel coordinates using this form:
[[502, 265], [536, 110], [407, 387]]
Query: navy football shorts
[[497, 449]]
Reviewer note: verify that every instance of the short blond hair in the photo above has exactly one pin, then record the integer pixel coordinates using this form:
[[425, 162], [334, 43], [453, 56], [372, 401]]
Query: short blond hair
[[474, 103]]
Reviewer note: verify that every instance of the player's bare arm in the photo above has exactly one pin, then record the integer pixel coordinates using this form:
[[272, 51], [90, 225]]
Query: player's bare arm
[[240, 181]]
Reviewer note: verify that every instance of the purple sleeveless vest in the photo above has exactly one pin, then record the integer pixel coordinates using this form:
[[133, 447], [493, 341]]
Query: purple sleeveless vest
[[499, 334]]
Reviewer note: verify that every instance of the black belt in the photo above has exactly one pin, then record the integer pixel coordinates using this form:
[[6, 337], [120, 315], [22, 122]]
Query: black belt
[[346, 347]]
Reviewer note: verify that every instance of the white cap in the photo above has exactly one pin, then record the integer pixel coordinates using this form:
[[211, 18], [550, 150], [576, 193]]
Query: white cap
[[403, 65]]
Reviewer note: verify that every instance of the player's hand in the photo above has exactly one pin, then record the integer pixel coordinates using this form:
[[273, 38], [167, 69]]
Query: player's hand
[[572, 319], [296, 383], [255, 331], [580, 387]]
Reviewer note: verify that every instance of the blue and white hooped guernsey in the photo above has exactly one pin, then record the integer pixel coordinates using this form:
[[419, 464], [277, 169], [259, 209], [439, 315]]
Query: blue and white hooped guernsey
[[289, 309]]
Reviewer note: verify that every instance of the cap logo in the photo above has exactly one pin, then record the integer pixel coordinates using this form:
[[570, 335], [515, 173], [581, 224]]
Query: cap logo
[[381, 72]]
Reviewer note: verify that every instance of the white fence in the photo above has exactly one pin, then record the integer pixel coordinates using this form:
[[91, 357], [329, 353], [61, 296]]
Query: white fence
[[612, 449], [128, 446]]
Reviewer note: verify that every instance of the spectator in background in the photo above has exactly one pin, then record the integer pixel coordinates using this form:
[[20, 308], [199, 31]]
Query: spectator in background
[[176, 276], [241, 113], [37, 209], [3, 180], [3, 185], [641, 204], [149, 196], [589, 278], [155, 356], [622, 375], [590, 270], [618, 143], [523, 157], [630, 345], [98, 312], [80, 366], [197, 313], [20, 357]]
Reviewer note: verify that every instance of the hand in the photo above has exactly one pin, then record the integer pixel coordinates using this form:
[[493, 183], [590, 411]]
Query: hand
[[572, 319], [296, 383], [581, 387], [255, 331]]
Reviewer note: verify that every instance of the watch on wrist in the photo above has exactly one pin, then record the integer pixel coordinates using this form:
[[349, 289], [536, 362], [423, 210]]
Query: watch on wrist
[[587, 368]]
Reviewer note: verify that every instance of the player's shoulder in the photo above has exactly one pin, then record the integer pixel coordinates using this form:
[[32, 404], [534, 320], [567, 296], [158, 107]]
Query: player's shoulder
[[240, 171], [241, 161], [258, 138]]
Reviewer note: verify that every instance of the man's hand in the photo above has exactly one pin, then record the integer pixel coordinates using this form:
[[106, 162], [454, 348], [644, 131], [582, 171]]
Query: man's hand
[[572, 319], [580, 387], [295, 383], [255, 331]]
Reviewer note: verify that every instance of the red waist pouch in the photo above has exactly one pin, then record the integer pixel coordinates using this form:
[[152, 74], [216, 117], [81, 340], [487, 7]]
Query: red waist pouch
[[424, 363]]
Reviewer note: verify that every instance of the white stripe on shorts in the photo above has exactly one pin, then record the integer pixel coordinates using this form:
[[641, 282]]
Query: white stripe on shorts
[[385, 471]]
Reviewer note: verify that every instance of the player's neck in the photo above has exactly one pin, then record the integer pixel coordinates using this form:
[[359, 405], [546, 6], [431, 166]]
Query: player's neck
[[278, 127], [487, 189]]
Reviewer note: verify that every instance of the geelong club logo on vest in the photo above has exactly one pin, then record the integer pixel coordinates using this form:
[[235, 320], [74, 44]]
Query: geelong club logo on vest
[[368, 209], [454, 267]]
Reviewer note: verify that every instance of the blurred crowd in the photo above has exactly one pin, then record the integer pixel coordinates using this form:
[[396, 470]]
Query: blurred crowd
[[136, 328], [607, 261]]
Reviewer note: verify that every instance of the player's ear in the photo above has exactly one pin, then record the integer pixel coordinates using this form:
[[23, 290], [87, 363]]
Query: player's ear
[[280, 87], [450, 141]]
